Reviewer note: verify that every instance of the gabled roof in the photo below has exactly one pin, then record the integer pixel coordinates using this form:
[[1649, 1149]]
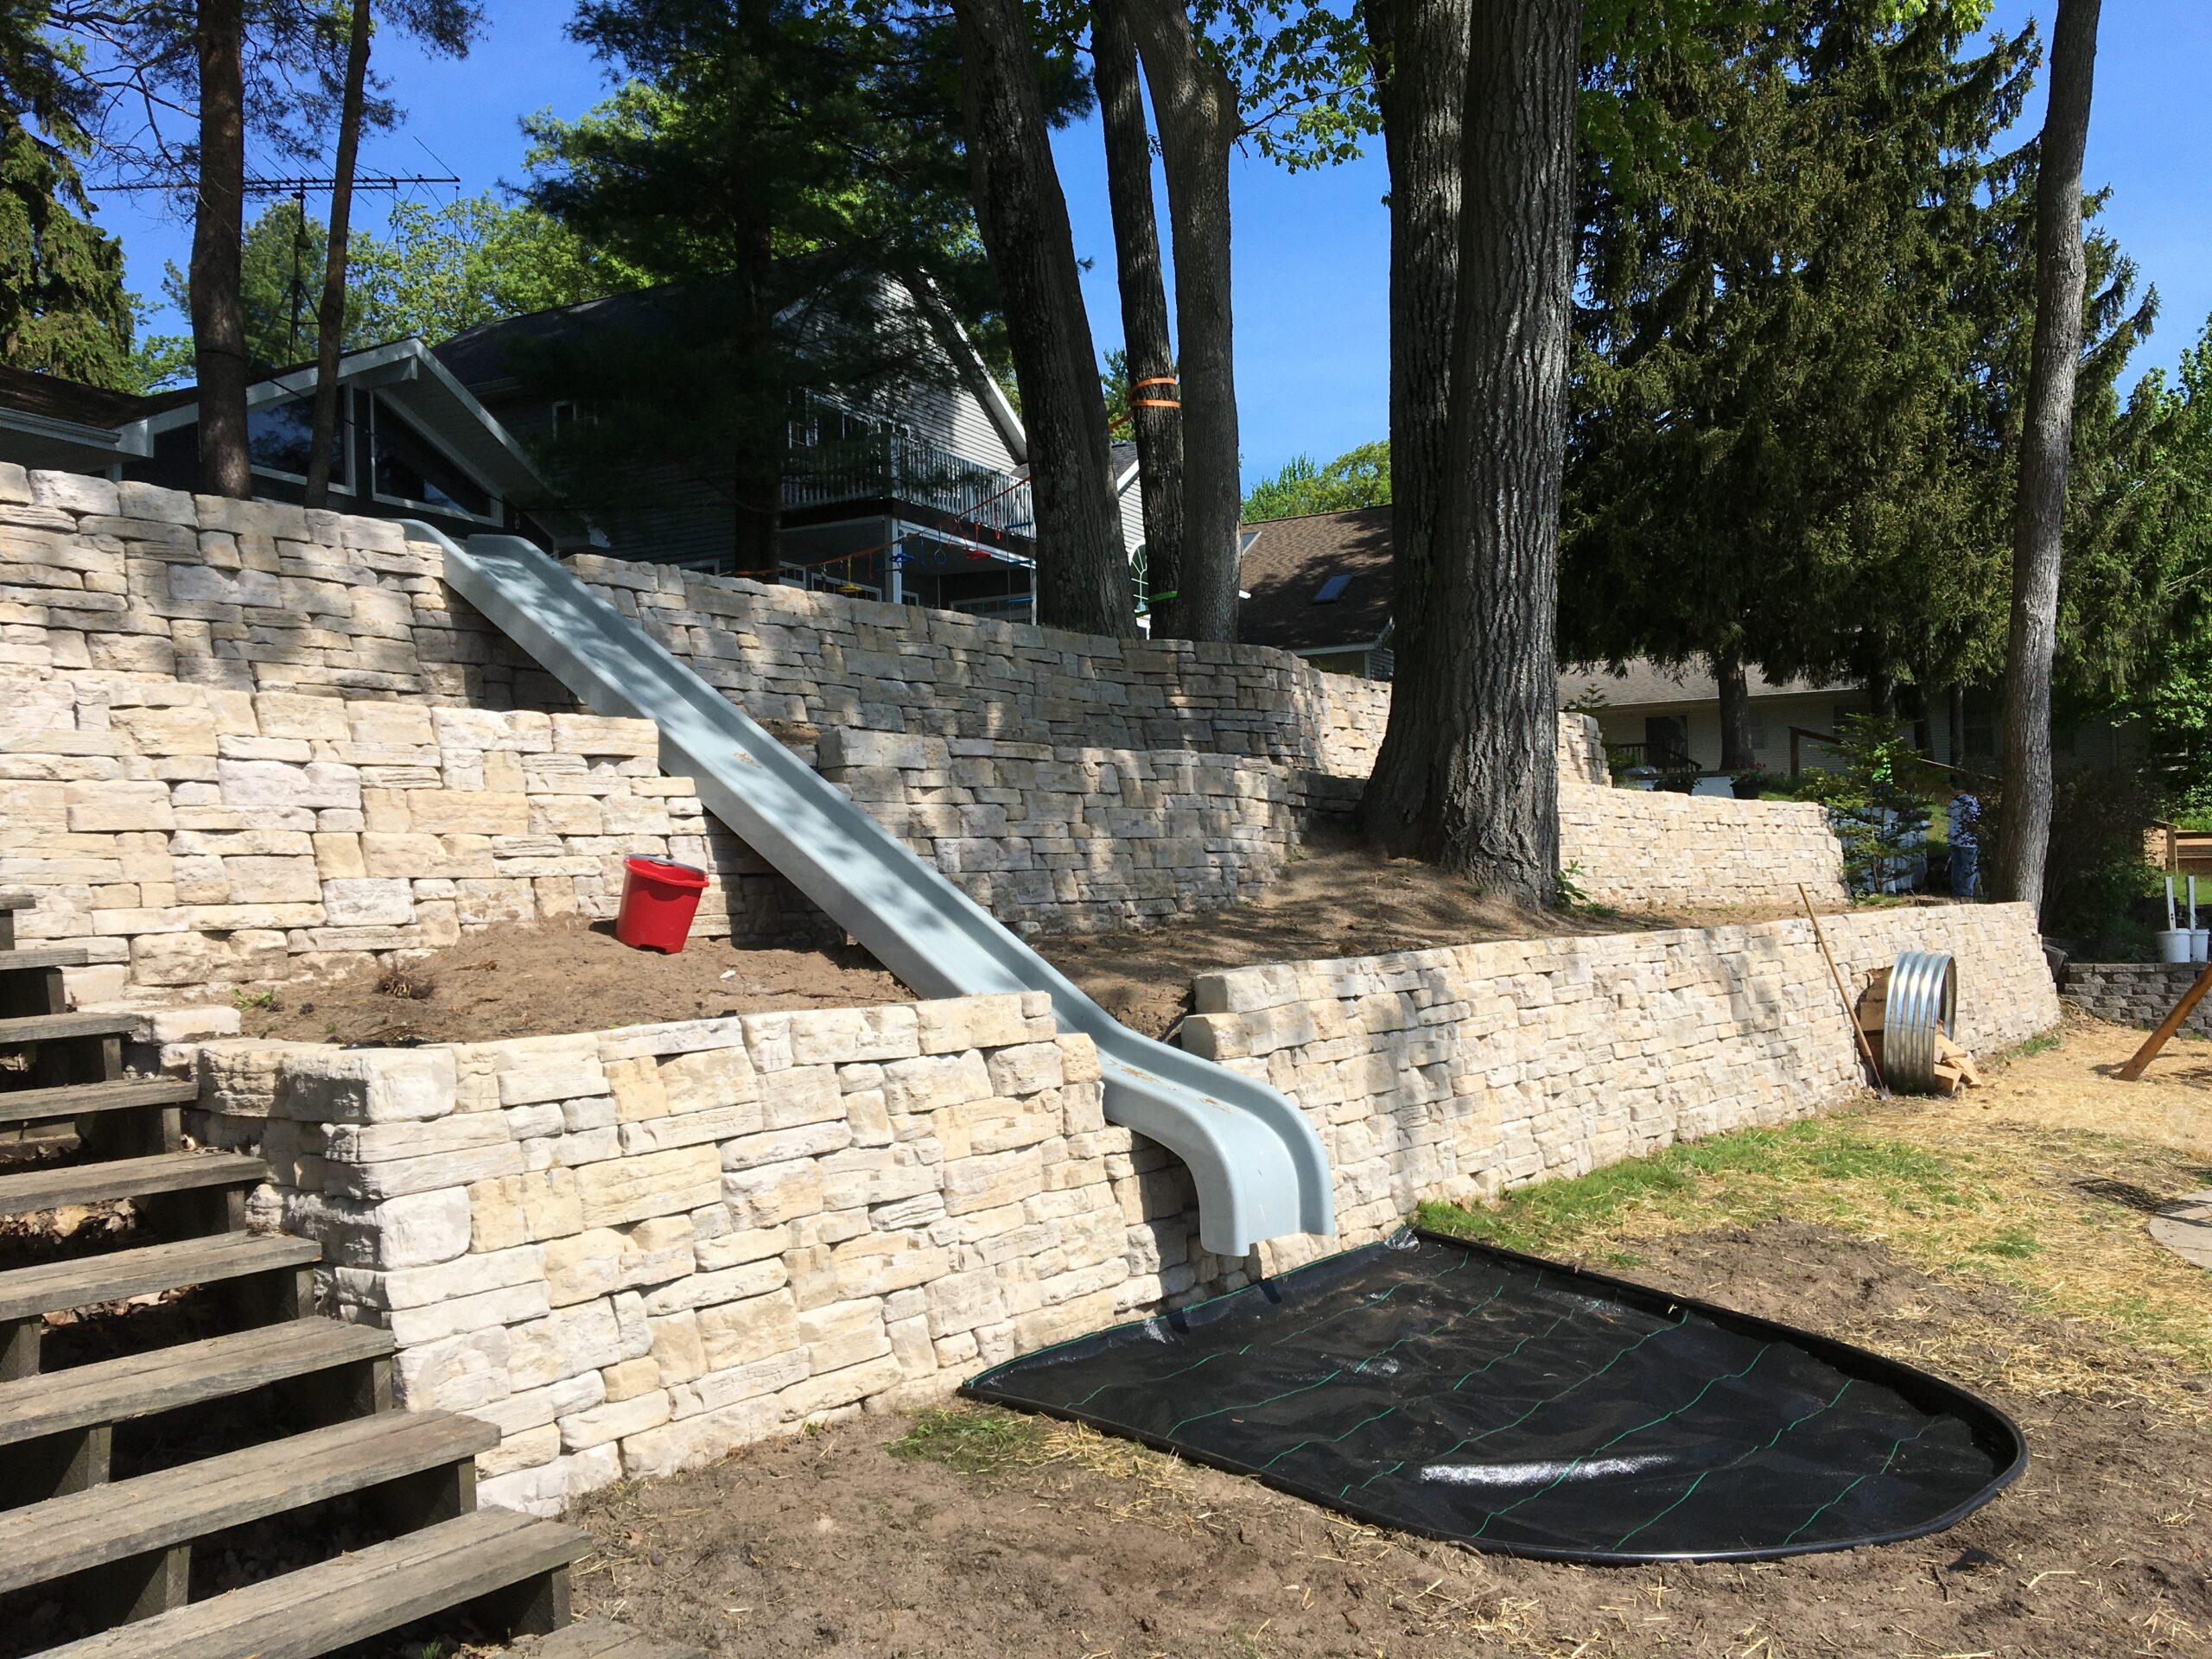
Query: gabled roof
[[1289, 564]]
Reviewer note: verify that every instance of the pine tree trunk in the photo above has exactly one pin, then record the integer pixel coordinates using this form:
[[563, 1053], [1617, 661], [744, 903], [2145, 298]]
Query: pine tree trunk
[[330, 317], [1196, 105], [1468, 774], [2039, 512], [1157, 431], [1421, 52], [1955, 711], [218, 237], [1083, 569], [1729, 678], [757, 456]]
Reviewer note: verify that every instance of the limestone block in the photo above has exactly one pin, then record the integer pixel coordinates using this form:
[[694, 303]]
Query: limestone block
[[534, 1406], [637, 1088], [707, 1079], [174, 730], [472, 812], [454, 1315], [367, 903], [522, 1451], [842, 1036], [823, 1393], [962, 1022], [736, 1333], [461, 1373], [934, 1082], [516, 1209], [730, 1248], [1025, 1069], [678, 1352], [566, 1078], [630, 1378], [597, 734], [714, 1390], [699, 1290], [109, 807], [413, 1230], [653, 1184], [696, 1441], [252, 787], [465, 1275], [368, 1085], [572, 1343], [801, 1095], [405, 1175], [388, 1143]]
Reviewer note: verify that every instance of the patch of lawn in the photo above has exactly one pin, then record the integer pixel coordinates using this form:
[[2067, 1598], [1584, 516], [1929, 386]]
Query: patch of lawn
[[972, 1441]]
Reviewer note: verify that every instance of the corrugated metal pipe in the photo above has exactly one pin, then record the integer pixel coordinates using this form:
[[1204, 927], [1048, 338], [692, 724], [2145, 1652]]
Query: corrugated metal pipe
[[1922, 999]]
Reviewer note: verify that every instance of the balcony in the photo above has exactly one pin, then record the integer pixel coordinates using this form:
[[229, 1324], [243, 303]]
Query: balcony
[[838, 464]]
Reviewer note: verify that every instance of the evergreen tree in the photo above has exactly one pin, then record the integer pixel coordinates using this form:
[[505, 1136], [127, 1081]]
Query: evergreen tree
[[63, 309]]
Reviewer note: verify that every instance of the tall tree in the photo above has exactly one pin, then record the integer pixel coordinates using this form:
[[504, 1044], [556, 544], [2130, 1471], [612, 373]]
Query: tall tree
[[1467, 776], [217, 233], [1083, 570], [2046, 447], [1419, 51], [1196, 105], [330, 316], [1148, 365]]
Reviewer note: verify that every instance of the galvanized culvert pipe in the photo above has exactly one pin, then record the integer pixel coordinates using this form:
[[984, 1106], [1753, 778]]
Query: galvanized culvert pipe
[[1923, 1001]]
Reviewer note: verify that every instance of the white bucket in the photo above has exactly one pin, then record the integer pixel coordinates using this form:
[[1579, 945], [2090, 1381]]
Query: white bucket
[[2200, 944], [2176, 944]]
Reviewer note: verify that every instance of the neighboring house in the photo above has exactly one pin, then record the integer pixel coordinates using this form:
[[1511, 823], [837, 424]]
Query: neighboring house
[[1658, 717], [410, 443], [922, 496], [1319, 586]]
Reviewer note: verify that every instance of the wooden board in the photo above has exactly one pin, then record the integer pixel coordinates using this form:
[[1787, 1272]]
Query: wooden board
[[52, 1027], [81, 1099], [126, 1178], [140, 1385], [300, 1615], [55, 1286], [1873, 1001], [129, 1518], [42, 956], [15, 898]]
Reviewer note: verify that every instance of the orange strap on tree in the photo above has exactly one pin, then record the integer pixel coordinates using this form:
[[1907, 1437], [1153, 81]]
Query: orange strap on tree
[[1155, 403]]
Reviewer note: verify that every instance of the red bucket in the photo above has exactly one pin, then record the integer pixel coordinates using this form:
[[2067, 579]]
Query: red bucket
[[659, 900]]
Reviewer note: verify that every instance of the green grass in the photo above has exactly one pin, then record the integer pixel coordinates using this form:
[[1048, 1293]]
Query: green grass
[[1748, 1177], [971, 1442]]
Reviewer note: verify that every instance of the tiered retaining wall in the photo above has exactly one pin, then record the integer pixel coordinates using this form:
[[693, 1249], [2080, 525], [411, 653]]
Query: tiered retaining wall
[[193, 685], [2137, 993], [636, 1249]]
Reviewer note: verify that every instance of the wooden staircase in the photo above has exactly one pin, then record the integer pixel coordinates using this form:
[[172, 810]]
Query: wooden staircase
[[108, 1479]]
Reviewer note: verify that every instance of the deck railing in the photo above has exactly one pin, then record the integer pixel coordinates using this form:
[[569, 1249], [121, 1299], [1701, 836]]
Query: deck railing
[[844, 458]]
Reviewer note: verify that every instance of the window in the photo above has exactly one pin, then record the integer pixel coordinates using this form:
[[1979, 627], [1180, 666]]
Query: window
[[1332, 590], [568, 414], [409, 469], [280, 436]]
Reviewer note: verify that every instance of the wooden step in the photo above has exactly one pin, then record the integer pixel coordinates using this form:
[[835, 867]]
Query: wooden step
[[17, 899], [126, 1178], [42, 956], [191, 1374], [131, 1519], [81, 1099], [56, 1287], [54, 1027], [602, 1639], [354, 1597]]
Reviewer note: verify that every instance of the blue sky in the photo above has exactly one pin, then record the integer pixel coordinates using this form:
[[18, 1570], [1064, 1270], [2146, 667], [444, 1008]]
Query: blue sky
[[1312, 250]]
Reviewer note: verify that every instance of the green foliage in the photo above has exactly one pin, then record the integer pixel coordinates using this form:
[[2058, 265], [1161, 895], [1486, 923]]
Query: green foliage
[[971, 1441], [2096, 868], [435, 272], [1359, 478], [1877, 801], [63, 309]]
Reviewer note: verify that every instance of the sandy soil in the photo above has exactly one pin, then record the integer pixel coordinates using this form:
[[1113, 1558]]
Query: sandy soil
[[1338, 897], [2076, 1086], [830, 1545], [521, 981]]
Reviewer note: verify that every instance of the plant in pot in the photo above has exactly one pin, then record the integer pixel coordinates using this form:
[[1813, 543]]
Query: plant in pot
[[1748, 782], [1678, 776]]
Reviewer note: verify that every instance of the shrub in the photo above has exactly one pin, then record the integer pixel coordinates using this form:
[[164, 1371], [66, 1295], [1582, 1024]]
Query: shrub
[[1877, 802]]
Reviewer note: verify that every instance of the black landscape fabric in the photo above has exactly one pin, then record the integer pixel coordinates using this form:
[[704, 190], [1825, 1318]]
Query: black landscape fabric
[[1470, 1393]]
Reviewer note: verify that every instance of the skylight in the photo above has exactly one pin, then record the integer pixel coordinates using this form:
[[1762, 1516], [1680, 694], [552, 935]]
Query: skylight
[[1332, 590]]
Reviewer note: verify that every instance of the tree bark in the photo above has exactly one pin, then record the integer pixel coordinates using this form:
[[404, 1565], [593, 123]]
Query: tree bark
[[1955, 711], [1421, 52], [1157, 431], [1083, 570], [218, 237], [1468, 774], [1734, 685], [330, 318], [2046, 440], [1196, 104]]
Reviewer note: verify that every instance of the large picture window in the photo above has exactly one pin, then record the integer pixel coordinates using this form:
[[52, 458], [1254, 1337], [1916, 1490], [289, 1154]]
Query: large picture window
[[409, 469], [280, 436]]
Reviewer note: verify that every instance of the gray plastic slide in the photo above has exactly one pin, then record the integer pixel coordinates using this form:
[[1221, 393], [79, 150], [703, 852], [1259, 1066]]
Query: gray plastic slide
[[1258, 1167]]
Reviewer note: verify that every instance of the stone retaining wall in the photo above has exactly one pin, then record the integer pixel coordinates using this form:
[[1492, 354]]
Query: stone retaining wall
[[635, 1249], [1476, 1067], [2137, 993]]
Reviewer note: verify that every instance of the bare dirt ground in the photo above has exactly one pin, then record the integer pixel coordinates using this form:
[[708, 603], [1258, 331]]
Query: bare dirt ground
[[518, 981], [1338, 897], [1997, 1238]]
